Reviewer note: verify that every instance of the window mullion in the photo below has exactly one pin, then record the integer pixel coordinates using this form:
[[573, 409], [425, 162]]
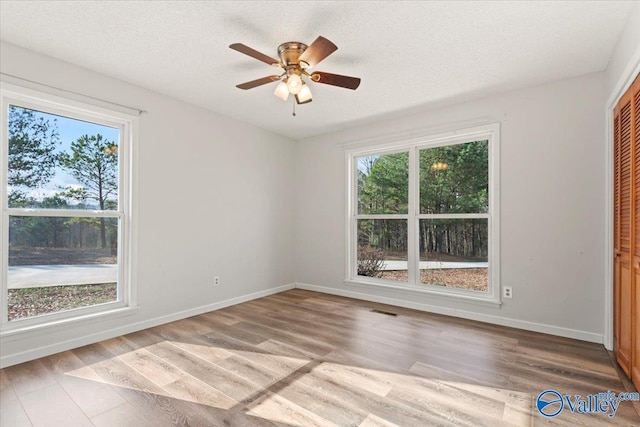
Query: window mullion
[[64, 213], [412, 230], [453, 216], [382, 216], [4, 217], [353, 218]]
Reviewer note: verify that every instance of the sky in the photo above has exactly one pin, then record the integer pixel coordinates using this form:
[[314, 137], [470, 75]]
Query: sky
[[69, 130]]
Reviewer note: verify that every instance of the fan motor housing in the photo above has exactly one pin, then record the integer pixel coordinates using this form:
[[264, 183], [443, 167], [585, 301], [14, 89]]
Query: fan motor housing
[[289, 52]]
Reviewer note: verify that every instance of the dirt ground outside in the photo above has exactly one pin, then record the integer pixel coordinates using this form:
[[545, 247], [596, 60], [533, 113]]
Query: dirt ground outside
[[475, 279], [31, 302]]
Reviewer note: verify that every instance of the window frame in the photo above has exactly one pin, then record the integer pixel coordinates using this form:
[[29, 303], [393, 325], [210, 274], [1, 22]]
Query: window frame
[[413, 144], [85, 110]]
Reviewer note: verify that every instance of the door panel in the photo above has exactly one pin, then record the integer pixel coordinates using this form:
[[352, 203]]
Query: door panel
[[626, 231], [624, 313], [635, 291], [623, 175]]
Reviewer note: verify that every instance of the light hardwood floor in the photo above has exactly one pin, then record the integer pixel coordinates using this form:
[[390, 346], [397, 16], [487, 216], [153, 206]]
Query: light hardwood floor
[[301, 358]]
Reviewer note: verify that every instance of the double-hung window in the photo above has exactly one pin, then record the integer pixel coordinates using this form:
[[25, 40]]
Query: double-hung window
[[66, 219], [423, 214]]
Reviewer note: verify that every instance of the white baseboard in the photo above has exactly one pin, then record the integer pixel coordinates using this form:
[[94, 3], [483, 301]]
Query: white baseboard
[[31, 354], [464, 314]]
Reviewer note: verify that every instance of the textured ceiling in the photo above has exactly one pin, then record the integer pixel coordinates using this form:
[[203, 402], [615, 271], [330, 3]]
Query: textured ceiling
[[410, 55]]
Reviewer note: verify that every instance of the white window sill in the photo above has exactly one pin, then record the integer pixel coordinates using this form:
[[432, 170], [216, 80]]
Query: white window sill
[[465, 297], [14, 332]]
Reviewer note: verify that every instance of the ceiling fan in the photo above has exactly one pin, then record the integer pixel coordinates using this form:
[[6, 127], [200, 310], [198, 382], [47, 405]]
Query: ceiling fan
[[296, 60]]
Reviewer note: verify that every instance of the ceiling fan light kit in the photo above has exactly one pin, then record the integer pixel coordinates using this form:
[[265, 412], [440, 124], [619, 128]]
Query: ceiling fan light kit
[[282, 91], [295, 60], [294, 83]]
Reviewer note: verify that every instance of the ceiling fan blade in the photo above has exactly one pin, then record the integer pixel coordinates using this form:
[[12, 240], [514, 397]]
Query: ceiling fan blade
[[335, 80], [254, 53], [305, 102], [258, 82], [319, 50]]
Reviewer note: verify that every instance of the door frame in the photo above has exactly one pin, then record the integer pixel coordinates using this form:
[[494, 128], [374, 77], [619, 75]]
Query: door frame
[[624, 82]]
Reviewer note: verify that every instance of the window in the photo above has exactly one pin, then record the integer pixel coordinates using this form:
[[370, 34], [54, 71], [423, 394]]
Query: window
[[423, 214], [65, 209]]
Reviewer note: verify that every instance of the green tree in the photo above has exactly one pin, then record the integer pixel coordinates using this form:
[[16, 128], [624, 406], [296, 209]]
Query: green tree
[[383, 188], [454, 179], [32, 152], [94, 163]]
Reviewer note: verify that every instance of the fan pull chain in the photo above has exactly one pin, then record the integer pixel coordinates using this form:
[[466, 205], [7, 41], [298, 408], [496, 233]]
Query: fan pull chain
[[294, 106]]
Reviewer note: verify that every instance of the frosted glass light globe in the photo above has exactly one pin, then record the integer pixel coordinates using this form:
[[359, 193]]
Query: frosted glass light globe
[[294, 83]]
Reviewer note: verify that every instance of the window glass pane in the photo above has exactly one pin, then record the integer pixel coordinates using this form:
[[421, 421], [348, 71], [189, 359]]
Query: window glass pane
[[383, 184], [60, 263], [455, 178], [454, 253], [382, 248], [56, 162]]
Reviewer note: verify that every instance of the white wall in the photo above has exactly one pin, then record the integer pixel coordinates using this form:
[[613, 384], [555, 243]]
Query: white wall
[[215, 197], [627, 48], [552, 196]]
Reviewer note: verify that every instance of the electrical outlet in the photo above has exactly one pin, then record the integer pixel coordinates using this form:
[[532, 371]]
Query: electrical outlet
[[216, 281], [507, 292]]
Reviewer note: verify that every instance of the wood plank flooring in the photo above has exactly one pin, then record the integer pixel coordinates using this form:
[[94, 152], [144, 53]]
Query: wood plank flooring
[[301, 358]]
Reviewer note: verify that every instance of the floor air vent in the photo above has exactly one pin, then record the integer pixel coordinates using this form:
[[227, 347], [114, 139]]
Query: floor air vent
[[388, 313]]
